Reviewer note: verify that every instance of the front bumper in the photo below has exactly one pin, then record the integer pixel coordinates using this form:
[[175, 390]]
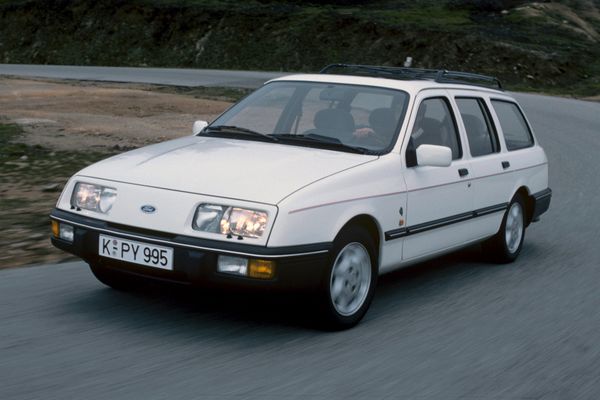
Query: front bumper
[[195, 260]]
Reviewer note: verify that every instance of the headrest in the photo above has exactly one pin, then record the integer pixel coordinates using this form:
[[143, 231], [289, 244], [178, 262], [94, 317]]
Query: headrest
[[334, 119], [382, 119]]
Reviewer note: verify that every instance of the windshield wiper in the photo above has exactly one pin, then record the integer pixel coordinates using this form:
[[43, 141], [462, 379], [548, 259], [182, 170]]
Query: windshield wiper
[[322, 141], [238, 130]]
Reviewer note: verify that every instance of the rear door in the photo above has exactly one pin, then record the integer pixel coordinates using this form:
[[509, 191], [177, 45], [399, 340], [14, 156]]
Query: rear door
[[440, 200], [492, 181]]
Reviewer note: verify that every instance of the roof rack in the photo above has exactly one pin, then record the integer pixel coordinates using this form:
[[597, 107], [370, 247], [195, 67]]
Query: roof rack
[[403, 73]]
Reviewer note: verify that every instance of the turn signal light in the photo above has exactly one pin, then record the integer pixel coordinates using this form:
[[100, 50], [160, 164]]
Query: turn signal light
[[55, 228], [261, 269]]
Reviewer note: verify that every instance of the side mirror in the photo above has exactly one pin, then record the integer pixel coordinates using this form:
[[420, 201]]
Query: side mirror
[[198, 127], [434, 156]]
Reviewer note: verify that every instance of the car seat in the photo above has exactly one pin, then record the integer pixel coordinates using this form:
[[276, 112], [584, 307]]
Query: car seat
[[383, 122]]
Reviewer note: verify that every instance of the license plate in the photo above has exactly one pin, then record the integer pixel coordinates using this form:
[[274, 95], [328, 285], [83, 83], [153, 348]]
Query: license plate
[[135, 252]]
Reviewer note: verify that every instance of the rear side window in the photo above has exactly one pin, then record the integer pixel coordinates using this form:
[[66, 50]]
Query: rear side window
[[515, 129], [475, 117]]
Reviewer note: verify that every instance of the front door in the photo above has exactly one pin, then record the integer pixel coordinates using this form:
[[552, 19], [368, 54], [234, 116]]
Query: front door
[[440, 199]]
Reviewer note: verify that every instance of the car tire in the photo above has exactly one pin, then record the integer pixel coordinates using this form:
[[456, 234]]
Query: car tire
[[349, 281], [505, 246], [113, 279]]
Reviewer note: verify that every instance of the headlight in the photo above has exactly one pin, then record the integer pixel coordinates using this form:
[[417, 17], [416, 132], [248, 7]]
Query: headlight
[[93, 197], [230, 220]]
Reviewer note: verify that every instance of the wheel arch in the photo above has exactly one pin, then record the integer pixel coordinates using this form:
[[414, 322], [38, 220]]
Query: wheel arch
[[529, 202], [371, 225]]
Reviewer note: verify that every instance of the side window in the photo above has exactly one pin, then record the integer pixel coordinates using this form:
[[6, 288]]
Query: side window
[[475, 117], [515, 129], [434, 125]]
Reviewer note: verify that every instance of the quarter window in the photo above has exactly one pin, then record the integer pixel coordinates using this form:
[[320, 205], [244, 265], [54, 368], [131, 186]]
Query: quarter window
[[475, 117], [515, 129], [435, 125]]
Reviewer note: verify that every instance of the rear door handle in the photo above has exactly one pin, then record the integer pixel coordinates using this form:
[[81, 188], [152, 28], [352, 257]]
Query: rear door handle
[[505, 164], [463, 172]]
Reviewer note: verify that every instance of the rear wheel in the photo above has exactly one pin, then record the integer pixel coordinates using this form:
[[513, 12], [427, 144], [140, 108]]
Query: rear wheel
[[347, 289], [506, 245], [112, 278]]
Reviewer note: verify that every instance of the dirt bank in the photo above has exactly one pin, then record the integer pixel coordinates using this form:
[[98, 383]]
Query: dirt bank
[[50, 130], [74, 116]]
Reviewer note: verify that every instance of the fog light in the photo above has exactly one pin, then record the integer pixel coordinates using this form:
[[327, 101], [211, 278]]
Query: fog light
[[55, 230], [66, 232], [233, 265], [261, 269]]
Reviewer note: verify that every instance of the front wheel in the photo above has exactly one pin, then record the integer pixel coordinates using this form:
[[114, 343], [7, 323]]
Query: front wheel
[[506, 245], [347, 289]]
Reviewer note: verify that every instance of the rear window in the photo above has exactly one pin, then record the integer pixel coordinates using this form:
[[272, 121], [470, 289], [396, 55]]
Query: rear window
[[516, 132]]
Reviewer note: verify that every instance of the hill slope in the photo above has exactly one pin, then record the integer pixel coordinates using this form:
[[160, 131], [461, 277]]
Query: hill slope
[[551, 46]]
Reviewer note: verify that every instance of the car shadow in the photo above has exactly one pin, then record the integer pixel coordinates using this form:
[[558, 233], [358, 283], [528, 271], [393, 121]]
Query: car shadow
[[184, 310]]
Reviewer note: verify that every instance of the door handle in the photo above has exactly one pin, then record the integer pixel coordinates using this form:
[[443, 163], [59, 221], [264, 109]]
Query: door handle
[[505, 164], [463, 172]]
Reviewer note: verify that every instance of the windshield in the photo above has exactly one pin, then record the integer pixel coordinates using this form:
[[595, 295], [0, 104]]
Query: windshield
[[341, 117]]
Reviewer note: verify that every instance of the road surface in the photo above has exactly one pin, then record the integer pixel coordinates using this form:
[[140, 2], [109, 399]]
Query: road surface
[[159, 76], [452, 328]]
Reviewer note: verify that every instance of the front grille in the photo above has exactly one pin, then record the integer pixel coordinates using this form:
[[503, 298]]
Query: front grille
[[141, 231]]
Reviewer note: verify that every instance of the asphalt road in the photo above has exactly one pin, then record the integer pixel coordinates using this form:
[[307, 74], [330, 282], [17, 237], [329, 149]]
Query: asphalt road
[[452, 328], [160, 76]]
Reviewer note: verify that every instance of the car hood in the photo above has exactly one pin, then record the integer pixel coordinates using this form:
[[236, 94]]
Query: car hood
[[240, 169]]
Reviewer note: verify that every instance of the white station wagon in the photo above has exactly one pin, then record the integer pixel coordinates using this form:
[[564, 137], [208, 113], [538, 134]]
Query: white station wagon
[[318, 182]]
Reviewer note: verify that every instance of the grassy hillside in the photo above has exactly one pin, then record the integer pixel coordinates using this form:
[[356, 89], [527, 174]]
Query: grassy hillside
[[547, 46]]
